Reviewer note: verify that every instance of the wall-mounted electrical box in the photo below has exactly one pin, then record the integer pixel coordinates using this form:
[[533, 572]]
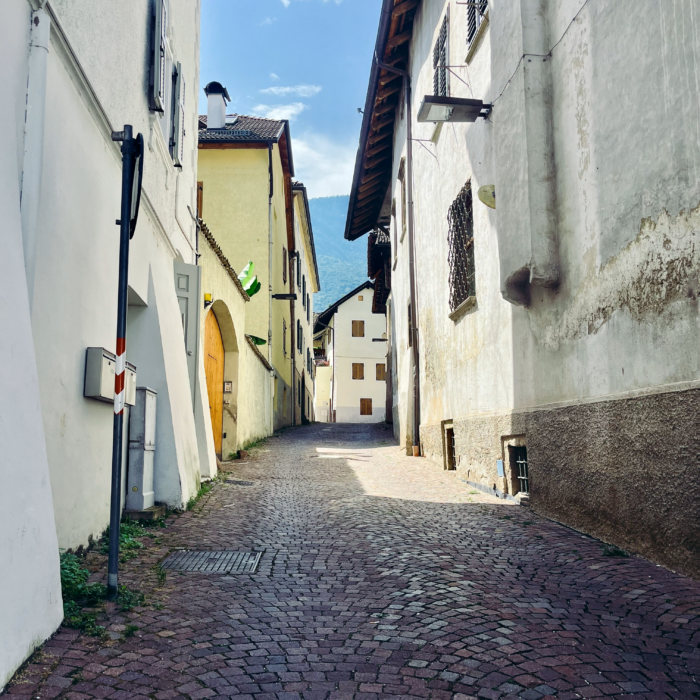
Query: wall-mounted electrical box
[[100, 367]]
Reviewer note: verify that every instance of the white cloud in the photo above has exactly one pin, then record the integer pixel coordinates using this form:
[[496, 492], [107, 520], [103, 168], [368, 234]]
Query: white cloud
[[324, 166], [268, 20], [274, 76], [290, 111], [300, 90], [286, 3]]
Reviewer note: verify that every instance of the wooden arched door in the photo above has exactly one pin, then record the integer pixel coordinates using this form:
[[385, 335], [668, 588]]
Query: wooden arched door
[[214, 370]]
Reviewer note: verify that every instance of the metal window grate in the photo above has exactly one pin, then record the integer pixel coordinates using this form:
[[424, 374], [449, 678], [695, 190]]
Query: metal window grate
[[451, 449], [440, 62], [523, 476], [461, 248], [475, 15], [225, 562]]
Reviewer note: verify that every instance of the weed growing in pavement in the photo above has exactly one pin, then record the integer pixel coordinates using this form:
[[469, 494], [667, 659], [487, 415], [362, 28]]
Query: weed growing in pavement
[[129, 542], [610, 550], [161, 574], [130, 630], [204, 489]]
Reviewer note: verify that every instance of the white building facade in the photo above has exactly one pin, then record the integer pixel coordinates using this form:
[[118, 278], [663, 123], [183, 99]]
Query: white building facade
[[356, 345], [73, 73], [557, 333]]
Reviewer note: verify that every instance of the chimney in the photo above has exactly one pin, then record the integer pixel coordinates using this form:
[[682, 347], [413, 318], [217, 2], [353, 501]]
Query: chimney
[[217, 97]]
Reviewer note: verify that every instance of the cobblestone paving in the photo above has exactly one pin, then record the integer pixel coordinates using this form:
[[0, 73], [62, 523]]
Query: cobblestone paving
[[382, 576]]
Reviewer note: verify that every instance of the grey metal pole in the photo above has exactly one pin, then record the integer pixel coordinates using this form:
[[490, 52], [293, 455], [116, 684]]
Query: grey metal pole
[[129, 154]]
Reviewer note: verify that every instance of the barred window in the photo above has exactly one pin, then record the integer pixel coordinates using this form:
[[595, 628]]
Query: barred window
[[440, 86], [460, 241], [284, 265], [475, 16]]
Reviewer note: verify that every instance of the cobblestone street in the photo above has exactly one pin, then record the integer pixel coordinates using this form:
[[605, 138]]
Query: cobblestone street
[[381, 576]]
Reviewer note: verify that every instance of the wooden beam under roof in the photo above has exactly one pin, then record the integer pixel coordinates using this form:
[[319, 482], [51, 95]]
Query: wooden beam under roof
[[404, 7], [379, 148], [390, 90], [369, 177], [372, 190], [398, 40], [385, 108], [379, 136], [387, 78], [374, 162]]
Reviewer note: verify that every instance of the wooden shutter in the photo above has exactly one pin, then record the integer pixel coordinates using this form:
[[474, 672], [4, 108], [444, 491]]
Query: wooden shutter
[[365, 407], [178, 139], [381, 372], [200, 199], [358, 370], [160, 29], [358, 329]]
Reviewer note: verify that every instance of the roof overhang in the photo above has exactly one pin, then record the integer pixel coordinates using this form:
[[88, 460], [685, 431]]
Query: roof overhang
[[373, 165]]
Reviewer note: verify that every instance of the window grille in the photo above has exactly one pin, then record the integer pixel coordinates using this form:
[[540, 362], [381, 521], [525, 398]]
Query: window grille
[[284, 336], [358, 370], [303, 293], [402, 178], [300, 340], [461, 248], [284, 265], [365, 407], [298, 271], [451, 449], [520, 454], [440, 87], [475, 16], [308, 309]]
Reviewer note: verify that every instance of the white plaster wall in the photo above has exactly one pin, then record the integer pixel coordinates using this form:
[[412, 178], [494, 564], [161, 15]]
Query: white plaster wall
[[323, 394], [77, 254], [348, 391], [254, 407], [465, 365], [30, 605], [626, 153]]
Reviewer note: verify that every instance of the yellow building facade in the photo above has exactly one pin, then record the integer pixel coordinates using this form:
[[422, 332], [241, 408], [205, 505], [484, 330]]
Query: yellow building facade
[[244, 187]]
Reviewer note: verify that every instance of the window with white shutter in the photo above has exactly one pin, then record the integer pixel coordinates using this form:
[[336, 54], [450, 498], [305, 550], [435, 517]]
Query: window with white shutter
[[177, 140], [158, 56]]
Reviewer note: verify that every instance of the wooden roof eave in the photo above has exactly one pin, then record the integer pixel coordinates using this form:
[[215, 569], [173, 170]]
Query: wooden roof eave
[[393, 38]]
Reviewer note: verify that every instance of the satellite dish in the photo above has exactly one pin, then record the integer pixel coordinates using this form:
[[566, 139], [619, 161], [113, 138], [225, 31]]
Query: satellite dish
[[487, 194]]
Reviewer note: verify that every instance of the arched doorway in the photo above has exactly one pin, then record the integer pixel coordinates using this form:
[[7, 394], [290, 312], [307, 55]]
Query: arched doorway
[[214, 359]]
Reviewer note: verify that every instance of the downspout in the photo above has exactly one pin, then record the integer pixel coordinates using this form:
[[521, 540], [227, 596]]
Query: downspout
[[269, 294], [411, 253], [293, 339], [33, 157]]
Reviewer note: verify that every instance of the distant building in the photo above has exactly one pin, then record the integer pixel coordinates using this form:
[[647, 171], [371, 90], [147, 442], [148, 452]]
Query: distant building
[[350, 341], [551, 341]]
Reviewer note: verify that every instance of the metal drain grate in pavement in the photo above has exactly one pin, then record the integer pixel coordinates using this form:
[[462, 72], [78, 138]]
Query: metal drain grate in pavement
[[239, 483], [226, 562]]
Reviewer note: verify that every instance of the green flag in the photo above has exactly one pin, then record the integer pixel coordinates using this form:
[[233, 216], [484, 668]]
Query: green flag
[[249, 280]]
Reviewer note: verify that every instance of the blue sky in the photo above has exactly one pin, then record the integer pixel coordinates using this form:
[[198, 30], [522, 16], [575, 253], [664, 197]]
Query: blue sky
[[305, 60]]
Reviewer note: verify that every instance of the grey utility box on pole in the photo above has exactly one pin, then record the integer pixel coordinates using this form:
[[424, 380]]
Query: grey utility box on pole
[[142, 450]]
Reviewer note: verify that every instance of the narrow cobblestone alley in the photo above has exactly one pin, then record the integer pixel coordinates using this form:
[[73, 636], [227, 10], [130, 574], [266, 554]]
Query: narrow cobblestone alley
[[381, 576]]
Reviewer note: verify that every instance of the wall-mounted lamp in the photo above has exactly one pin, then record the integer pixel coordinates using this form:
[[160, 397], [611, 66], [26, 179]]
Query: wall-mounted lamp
[[208, 301], [452, 109]]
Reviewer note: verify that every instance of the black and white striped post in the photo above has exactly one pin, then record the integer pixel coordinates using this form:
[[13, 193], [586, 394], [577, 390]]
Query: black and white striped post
[[132, 174]]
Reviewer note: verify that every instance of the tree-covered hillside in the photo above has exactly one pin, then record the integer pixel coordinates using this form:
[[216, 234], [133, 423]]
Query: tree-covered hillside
[[341, 265]]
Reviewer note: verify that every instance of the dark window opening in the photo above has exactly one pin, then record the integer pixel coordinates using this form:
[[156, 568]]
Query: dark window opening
[[460, 239], [475, 16], [451, 450], [440, 86], [200, 199], [519, 469]]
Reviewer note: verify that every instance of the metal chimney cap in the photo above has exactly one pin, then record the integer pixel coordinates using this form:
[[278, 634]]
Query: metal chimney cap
[[215, 88]]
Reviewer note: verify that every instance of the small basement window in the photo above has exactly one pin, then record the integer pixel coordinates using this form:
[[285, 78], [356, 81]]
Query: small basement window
[[450, 449], [519, 469]]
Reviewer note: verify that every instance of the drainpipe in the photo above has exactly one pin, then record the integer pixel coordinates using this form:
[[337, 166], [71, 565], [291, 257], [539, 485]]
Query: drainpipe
[[33, 157], [269, 279], [293, 339], [411, 252]]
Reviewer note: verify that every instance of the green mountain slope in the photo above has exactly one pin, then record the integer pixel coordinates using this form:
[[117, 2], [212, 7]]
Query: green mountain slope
[[342, 265]]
